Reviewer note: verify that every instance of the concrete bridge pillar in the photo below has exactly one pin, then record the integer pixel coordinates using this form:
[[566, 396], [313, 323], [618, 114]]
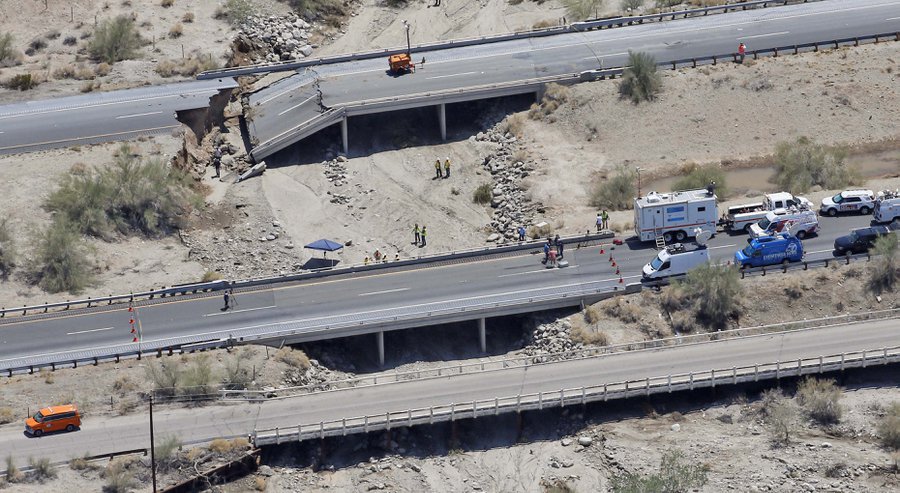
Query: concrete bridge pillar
[[344, 137], [442, 120], [379, 340], [482, 335]]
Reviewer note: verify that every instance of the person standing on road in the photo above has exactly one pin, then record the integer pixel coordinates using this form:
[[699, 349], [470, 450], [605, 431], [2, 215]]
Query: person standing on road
[[546, 252], [437, 168], [227, 296], [559, 246], [741, 51], [605, 216], [521, 232], [552, 258], [447, 168], [423, 236], [416, 236], [599, 222]]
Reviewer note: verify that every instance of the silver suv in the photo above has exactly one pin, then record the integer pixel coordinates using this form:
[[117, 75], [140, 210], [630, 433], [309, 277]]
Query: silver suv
[[862, 201]]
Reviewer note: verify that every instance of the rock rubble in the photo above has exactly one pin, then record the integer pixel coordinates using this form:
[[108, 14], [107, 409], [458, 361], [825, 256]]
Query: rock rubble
[[275, 38]]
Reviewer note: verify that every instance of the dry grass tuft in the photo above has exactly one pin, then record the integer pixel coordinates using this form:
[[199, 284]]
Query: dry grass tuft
[[186, 67], [293, 358], [589, 337]]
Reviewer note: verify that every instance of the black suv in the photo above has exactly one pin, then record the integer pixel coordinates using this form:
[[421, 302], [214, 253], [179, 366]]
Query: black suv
[[860, 240]]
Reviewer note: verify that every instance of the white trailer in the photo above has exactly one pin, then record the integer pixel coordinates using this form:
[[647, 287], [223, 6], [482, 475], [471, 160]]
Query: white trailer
[[675, 216]]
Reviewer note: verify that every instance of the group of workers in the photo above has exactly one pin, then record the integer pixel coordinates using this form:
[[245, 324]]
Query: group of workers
[[437, 168], [553, 251]]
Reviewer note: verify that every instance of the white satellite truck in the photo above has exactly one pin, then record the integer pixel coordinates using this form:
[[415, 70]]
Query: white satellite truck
[[887, 206], [676, 216], [677, 259]]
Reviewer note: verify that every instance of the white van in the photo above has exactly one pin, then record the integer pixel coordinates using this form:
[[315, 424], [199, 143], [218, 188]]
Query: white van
[[674, 260], [799, 223]]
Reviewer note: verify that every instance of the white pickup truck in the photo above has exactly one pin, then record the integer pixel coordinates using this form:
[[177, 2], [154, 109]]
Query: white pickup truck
[[796, 222], [741, 217]]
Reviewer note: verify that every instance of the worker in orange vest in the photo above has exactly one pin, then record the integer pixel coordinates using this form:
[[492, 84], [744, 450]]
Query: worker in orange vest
[[741, 50]]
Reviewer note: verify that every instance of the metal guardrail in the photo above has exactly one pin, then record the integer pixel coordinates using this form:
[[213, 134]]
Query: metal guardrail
[[578, 396], [539, 359], [186, 289], [441, 45]]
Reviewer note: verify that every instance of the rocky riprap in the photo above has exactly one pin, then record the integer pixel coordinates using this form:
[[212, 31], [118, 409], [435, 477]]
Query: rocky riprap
[[511, 206], [274, 38], [551, 338]]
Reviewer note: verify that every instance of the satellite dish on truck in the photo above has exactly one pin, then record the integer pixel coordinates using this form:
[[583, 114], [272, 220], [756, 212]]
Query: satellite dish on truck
[[702, 237]]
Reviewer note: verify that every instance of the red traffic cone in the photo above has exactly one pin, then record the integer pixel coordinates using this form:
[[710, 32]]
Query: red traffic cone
[[131, 321], [621, 281], [132, 330], [614, 263], [610, 256], [601, 249], [134, 340], [130, 308], [617, 271]]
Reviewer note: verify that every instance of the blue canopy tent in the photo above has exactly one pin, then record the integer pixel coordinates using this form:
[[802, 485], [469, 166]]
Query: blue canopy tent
[[325, 246]]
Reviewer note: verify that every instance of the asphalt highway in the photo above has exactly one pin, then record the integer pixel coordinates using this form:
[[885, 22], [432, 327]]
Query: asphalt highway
[[101, 117], [102, 434], [423, 288], [294, 100]]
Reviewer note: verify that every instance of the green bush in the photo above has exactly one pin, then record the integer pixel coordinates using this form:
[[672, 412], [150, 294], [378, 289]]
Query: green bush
[[197, 378], [889, 427], [616, 193], [115, 40], [237, 11], [483, 194], [802, 164], [166, 451], [780, 414], [694, 176], [60, 259], [631, 4], [21, 82], [7, 249], [885, 274], [146, 197], [676, 475], [640, 81], [580, 10], [708, 296], [165, 377], [820, 399], [9, 56]]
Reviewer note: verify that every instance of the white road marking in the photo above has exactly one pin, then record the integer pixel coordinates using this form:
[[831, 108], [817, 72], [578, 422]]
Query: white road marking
[[110, 103], [297, 105], [239, 311], [386, 291], [535, 271], [764, 35], [74, 139], [138, 115], [820, 251], [452, 75], [892, 19], [723, 246], [89, 330], [604, 56]]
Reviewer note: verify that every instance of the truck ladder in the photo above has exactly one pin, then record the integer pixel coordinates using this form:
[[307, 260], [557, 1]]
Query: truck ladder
[[660, 241]]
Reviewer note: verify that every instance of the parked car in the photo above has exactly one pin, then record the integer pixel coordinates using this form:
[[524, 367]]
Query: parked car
[[862, 201], [860, 240], [54, 418]]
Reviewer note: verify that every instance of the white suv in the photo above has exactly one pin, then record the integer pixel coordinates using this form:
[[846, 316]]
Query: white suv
[[862, 201]]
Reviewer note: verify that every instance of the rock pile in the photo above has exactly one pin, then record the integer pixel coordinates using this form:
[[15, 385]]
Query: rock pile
[[336, 171], [316, 376], [512, 208], [274, 38], [551, 337]]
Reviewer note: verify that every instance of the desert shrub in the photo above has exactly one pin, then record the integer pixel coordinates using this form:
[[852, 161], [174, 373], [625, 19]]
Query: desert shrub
[[167, 3], [72, 71], [8, 253], [513, 124], [780, 415], [129, 196], [237, 11], [588, 336], [554, 96], [640, 81], [802, 164], [80, 463], [259, 483], [176, 31], [620, 307], [237, 377], [188, 17], [102, 69], [556, 486], [631, 4], [794, 288], [889, 427], [59, 260], [544, 24], [676, 474], [694, 176], [70, 41], [123, 384], [483, 194], [885, 274], [127, 405], [115, 40], [667, 3], [617, 192], [165, 377], [293, 358], [21, 82], [13, 474], [9, 56], [223, 446], [89, 86], [6, 415], [820, 399], [836, 470], [186, 67], [210, 276], [37, 44], [197, 378], [41, 469], [167, 451], [580, 10], [714, 292], [591, 315], [118, 478]]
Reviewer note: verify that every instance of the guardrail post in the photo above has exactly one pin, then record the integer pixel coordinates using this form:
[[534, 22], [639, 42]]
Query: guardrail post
[[343, 426], [734, 375], [799, 366], [691, 374], [452, 411], [864, 359], [387, 421], [777, 370], [322, 430], [885, 360], [540, 400], [842, 361], [583, 392], [277, 436], [647, 386], [604, 391], [366, 423], [712, 378], [300, 432], [496, 406], [562, 397], [820, 364], [431, 415], [776, 52], [474, 409], [669, 383], [409, 417], [756, 373]]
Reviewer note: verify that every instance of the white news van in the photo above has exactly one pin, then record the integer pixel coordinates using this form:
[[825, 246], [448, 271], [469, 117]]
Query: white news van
[[675, 216], [675, 260], [887, 206]]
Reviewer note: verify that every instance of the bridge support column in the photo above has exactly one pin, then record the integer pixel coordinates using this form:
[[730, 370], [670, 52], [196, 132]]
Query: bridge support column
[[344, 137], [379, 339], [482, 335], [442, 120]]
